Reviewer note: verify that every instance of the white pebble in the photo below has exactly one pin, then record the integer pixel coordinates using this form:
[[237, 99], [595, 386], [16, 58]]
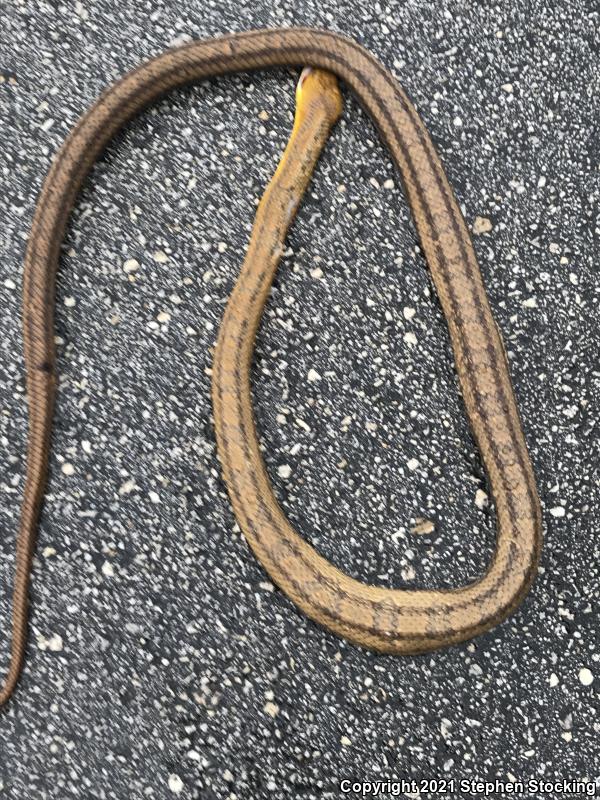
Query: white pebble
[[175, 784], [108, 569], [131, 265], [272, 709], [481, 498], [313, 375], [69, 302], [284, 471], [154, 497], [160, 257], [163, 316], [410, 338], [553, 680], [408, 312], [413, 464], [482, 225], [585, 676], [68, 469], [55, 643], [127, 487], [557, 511]]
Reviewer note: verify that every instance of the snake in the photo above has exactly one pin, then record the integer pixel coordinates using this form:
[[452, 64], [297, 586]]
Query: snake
[[389, 620]]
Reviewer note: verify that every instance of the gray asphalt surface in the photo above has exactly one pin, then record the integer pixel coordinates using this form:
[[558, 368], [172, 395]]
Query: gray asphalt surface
[[162, 663]]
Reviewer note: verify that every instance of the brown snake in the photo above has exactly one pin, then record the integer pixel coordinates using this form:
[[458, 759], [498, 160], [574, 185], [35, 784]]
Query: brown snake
[[398, 621]]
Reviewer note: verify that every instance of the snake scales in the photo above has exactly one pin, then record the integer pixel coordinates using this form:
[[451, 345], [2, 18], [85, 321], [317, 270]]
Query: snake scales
[[398, 621]]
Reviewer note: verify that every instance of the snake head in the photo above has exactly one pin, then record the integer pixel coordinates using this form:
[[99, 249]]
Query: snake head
[[316, 86]]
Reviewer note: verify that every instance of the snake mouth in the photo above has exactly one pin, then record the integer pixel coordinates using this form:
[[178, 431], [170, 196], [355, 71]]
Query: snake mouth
[[304, 75]]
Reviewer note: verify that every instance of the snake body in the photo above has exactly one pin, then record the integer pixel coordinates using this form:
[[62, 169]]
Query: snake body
[[399, 621]]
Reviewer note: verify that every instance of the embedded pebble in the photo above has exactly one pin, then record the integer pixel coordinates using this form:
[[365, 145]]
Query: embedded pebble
[[482, 225], [127, 486], [481, 499], [175, 784], [108, 569], [585, 676], [530, 302], [131, 265], [270, 708], [53, 643], [423, 527]]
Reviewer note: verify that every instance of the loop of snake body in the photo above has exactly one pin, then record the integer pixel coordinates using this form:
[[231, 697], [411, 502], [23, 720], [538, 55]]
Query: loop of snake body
[[389, 620]]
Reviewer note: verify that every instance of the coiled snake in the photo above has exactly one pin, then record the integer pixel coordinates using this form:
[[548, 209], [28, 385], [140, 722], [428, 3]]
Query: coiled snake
[[395, 621]]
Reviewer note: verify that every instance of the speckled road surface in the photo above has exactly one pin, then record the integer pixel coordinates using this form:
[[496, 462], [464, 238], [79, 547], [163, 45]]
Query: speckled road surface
[[161, 661]]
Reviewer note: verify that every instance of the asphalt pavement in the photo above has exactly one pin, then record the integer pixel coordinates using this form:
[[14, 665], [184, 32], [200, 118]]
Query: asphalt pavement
[[162, 662]]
